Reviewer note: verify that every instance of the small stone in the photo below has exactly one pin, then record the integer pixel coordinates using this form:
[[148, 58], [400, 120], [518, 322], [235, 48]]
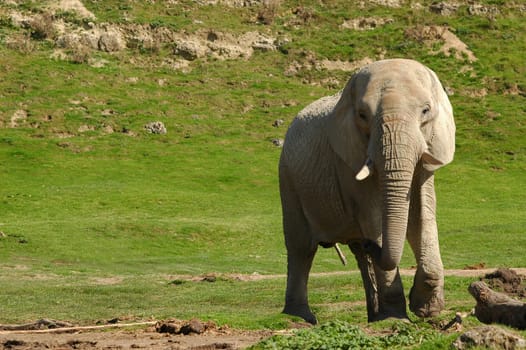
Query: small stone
[[155, 128], [278, 142], [107, 112], [277, 123]]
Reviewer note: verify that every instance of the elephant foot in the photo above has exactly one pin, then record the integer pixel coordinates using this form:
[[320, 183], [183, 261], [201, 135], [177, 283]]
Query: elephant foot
[[427, 304], [302, 311]]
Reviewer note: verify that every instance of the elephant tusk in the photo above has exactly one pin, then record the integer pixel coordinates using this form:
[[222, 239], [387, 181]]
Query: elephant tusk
[[366, 170]]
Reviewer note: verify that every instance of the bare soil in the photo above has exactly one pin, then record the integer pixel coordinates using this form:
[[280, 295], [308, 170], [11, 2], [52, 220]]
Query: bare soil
[[194, 334], [163, 335]]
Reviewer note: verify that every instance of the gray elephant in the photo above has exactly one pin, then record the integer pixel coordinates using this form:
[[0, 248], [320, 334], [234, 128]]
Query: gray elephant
[[357, 168]]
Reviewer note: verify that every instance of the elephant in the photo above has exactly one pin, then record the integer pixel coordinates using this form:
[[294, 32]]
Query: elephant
[[357, 168]]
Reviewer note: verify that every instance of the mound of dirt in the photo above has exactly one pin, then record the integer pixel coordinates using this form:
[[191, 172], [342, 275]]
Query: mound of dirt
[[506, 281]]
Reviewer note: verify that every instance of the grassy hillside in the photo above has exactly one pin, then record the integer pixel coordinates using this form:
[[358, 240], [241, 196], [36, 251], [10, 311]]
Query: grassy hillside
[[94, 210]]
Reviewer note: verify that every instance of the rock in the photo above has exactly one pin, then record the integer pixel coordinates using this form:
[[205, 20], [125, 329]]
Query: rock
[[259, 41], [278, 142], [18, 117], [366, 23], [155, 128], [111, 41], [277, 123], [481, 10], [190, 49], [209, 278], [84, 128], [489, 337], [107, 112], [386, 3], [444, 8]]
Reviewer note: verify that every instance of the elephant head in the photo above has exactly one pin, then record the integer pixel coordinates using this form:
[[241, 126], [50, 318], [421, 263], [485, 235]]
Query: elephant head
[[393, 117]]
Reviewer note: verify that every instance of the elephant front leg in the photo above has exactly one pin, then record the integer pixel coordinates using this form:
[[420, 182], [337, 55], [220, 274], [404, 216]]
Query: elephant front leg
[[391, 298], [426, 298], [383, 289]]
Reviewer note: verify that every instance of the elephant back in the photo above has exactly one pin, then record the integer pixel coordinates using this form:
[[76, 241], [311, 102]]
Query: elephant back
[[306, 142]]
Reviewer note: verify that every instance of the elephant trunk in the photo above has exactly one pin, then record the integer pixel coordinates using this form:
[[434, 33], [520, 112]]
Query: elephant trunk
[[396, 161]]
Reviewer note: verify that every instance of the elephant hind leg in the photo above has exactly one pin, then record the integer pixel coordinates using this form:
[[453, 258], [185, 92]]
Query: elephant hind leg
[[300, 253], [365, 265], [298, 268]]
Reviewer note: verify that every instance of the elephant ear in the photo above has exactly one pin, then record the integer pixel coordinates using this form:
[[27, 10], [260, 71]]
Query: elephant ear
[[341, 131], [440, 134]]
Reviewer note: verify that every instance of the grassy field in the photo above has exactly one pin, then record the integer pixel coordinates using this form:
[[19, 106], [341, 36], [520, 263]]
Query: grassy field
[[98, 216]]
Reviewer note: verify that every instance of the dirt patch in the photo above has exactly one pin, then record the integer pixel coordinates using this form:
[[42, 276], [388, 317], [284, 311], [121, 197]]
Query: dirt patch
[[451, 44], [506, 281], [75, 6], [212, 277], [172, 334], [310, 62]]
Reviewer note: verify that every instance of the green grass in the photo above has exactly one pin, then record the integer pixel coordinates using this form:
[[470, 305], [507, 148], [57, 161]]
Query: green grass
[[79, 206]]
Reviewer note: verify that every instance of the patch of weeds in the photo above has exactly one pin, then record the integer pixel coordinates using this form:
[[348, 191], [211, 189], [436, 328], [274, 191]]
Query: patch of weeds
[[343, 335]]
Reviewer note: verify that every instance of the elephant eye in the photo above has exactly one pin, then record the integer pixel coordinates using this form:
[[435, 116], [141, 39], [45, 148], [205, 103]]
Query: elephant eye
[[426, 111], [362, 116]]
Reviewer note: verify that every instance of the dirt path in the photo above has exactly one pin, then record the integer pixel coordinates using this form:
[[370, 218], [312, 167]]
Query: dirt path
[[472, 272]]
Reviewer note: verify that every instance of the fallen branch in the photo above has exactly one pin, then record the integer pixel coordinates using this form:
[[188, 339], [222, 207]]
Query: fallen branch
[[32, 327], [495, 307], [340, 254]]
